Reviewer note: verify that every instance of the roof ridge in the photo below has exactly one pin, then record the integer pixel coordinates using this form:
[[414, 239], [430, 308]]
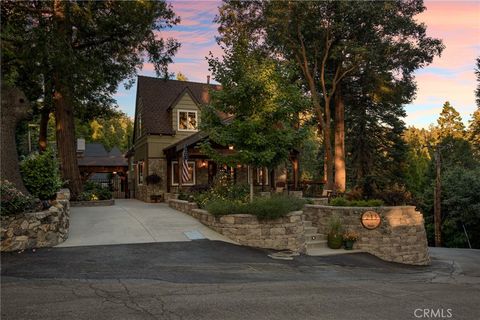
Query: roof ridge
[[175, 80]]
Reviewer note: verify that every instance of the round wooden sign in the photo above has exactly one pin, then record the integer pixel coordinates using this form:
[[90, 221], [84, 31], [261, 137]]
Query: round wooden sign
[[371, 220]]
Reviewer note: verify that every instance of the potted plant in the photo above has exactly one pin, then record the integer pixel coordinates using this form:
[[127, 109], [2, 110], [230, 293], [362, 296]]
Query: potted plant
[[349, 239], [335, 237]]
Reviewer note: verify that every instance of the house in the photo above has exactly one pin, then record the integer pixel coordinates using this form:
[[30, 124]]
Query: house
[[167, 117], [108, 168]]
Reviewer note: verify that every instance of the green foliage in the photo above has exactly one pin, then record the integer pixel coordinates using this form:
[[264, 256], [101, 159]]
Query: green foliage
[[93, 191], [262, 105], [14, 201], [474, 131], [477, 90], [223, 188], [41, 174], [450, 123], [113, 131], [342, 202], [263, 208], [335, 225], [461, 205], [395, 195]]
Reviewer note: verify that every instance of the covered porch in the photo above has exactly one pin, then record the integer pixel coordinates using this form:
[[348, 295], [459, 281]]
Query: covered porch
[[202, 170]]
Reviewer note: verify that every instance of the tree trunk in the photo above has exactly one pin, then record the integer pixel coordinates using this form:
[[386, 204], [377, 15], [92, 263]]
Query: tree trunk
[[62, 102], [250, 168], [340, 169], [42, 137], [327, 136], [14, 107], [65, 133]]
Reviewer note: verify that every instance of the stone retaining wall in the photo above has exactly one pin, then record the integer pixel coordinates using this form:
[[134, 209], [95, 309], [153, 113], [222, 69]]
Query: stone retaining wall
[[280, 234], [37, 229], [401, 236]]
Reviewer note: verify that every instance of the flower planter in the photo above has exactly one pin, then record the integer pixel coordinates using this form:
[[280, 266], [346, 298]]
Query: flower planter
[[349, 244], [335, 241]]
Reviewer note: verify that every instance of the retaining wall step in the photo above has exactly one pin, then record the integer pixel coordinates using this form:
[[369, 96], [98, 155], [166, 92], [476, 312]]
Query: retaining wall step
[[311, 244], [307, 224], [311, 230]]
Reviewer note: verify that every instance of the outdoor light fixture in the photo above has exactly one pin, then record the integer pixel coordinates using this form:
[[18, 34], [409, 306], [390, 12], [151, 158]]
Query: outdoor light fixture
[[230, 147], [203, 164]]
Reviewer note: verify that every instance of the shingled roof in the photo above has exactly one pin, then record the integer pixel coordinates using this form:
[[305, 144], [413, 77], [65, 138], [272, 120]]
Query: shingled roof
[[158, 96], [96, 155]]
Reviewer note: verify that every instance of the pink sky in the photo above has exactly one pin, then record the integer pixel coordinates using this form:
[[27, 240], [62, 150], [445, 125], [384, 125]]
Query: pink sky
[[450, 77]]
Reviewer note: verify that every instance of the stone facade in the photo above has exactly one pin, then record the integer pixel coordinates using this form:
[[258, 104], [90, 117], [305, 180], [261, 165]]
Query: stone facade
[[37, 229], [401, 236], [286, 233]]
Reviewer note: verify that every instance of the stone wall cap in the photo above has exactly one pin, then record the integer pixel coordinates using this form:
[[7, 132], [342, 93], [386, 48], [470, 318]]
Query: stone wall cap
[[362, 208], [178, 201]]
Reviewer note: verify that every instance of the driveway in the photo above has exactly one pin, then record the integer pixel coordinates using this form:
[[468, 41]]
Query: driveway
[[133, 221]]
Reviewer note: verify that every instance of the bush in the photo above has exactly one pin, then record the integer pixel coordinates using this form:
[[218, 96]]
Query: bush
[[342, 202], [14, 201], [263, 208], [395, 195], [94, 191], [41, 174]]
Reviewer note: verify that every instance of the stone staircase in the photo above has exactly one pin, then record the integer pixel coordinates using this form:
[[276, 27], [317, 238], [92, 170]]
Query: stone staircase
[[313, 239]]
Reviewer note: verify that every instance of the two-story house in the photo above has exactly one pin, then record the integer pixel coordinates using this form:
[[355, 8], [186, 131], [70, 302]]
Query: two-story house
[[167, 116]]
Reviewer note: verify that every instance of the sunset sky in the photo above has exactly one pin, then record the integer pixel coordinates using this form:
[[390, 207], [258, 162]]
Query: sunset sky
[[450, 77]]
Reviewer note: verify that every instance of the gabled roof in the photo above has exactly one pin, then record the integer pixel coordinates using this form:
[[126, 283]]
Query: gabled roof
[[96, 155], [158, 96]]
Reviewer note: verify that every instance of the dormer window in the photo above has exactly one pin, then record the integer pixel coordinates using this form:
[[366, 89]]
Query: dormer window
[[187, 120]]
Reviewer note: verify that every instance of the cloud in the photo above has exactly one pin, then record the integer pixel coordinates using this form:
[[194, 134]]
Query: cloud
[[450, 77]]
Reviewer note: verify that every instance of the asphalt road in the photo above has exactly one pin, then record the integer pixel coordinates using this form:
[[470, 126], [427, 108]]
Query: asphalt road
[[216, 280]]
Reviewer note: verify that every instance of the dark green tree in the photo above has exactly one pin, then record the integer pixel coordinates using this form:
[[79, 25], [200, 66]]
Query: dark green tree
[[474, 132], [79, 51], [477, 91], [259, 107], [330, 43], [450, 123]]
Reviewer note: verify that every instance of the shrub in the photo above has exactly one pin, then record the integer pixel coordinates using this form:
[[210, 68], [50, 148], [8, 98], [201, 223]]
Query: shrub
[[334, 224], [94, 191], [41, 174], [13, 201], [395, 195], [264, 208], [339, 202], [342, 202]]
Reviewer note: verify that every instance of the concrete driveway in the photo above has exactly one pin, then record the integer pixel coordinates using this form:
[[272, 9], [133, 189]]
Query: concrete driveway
[[133, 221]]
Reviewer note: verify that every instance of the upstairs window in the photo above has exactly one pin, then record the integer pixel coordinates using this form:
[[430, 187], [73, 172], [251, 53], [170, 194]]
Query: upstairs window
[[187, 120]]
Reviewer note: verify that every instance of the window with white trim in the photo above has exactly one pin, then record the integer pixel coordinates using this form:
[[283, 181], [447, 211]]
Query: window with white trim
[[191, 174], [140, 165], [187, 120], [258, 176]]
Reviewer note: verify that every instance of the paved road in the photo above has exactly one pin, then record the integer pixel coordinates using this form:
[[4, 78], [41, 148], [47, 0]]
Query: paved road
[[132, 221], [217, 280]]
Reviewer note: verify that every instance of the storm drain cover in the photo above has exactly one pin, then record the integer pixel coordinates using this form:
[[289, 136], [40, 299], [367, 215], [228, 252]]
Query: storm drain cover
[[194, 235]]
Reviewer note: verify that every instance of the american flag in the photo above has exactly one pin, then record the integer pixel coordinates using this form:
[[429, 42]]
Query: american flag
[[185, 173]]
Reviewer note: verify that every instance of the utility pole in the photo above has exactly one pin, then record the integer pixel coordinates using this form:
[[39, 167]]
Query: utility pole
[[437, 201], [437, 192]]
